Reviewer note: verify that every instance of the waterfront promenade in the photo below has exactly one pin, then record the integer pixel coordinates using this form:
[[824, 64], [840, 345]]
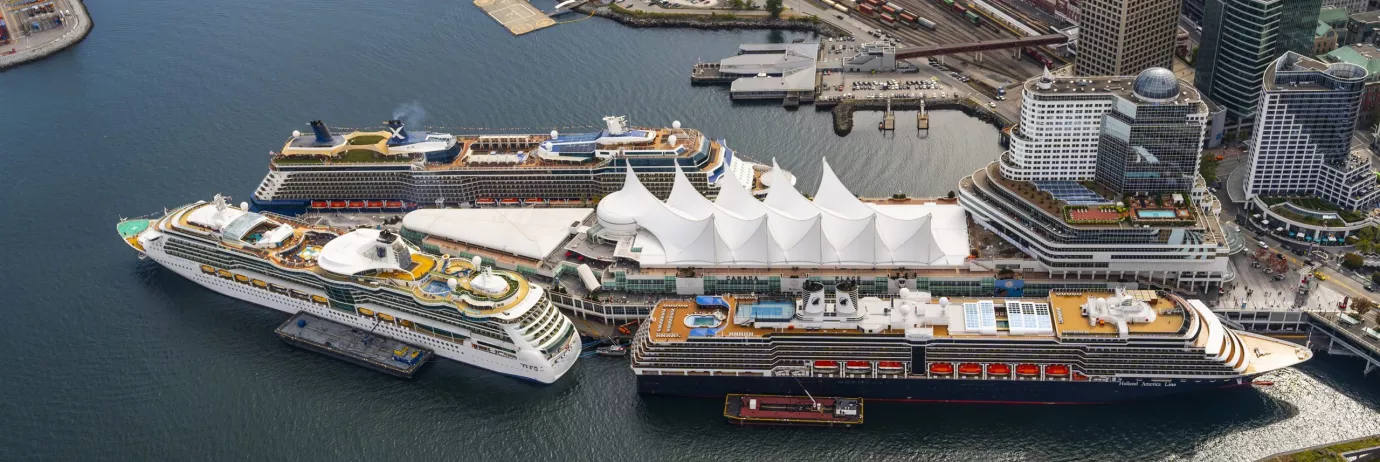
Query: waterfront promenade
[[42, 44]]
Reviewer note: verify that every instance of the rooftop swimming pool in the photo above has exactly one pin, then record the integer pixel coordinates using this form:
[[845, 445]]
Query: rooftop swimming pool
[[436, 288], [1156, 214]]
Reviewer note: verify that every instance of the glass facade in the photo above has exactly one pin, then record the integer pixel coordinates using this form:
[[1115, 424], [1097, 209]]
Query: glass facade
[[1240, 39], [1150, 148]]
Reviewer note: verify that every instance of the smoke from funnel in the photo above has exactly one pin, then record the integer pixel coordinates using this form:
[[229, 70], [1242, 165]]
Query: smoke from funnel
[[411, 114]]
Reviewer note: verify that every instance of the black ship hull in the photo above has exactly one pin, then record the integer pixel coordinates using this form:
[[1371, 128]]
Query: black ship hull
[[931, 390]]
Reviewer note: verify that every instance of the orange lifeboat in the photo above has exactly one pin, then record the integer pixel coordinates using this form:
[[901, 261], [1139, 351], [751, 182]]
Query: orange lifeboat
[[1057, 370], [858, 366], [356, 204], [826, 365], [998, 369], [532, 200], [375, 204], [484, 201], [969, 369], [941, 368], [1079, 377], [509, 201], [337, 204], [319, 204], [394, 204], [890, 366], [1027, 370]]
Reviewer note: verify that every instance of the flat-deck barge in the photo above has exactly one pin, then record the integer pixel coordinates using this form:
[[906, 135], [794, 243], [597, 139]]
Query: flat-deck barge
[[349, 344], [793, 410]]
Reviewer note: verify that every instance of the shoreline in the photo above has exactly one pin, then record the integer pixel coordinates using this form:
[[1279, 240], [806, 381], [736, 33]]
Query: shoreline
[[76, 34], [711, 21]]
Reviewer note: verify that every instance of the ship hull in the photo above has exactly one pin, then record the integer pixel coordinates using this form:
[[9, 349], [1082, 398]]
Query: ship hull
[[930, 390]]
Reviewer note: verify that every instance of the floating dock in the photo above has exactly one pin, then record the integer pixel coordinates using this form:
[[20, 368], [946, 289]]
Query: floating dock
[[346, 343], [518, 16], [793, 410]]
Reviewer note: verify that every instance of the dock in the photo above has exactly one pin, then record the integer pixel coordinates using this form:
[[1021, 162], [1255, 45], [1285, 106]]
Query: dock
[[888, 120], [922, 118], [518, 16], [793, 410], [353, 345]]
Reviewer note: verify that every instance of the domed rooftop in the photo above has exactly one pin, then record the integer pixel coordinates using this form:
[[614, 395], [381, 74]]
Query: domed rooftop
[[1156, 83]]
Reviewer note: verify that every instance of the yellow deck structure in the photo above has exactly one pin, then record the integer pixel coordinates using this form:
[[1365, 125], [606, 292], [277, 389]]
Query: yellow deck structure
[[518, 16]]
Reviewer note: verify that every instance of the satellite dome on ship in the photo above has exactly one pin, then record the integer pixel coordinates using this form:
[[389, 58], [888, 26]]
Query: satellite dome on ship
[[1156, 83]]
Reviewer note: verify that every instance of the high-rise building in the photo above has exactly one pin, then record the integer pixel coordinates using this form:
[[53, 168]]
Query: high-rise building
[[1124, 37], [1302, 143], [1240, 39], [1150, 144], [1351, 6], [1147, 215]]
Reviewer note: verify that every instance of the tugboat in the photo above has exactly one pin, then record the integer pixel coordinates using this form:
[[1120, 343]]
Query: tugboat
[[616, 349]]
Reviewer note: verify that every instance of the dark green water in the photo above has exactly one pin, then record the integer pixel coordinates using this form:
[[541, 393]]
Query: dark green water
[[106, 357]]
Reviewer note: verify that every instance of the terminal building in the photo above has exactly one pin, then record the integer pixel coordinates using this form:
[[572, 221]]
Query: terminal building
[[1127, 205], [765, 71]]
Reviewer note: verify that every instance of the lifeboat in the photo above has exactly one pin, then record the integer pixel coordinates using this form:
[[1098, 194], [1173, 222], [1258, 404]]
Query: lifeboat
[[337, 204], [508, 201], [297, 294], [375, 204], [405, 323], [532, 200], [366, 312], [260, 284], [969, 369], [208, 269], [393, 204], [1057, 370], [998, 369], [941, 368], [890, 367], [318, 299], [1080, 377], [224, 274], [356, 204], [1027, 370], [242, 279], [385, 317], [858, 366], [826, 365], [277, 289], [484, 201], [319, 204]]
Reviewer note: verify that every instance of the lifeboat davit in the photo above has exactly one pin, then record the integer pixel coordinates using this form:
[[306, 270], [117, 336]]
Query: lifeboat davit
[[998, 369], [375, 204], [858, 366], [394, 204], [337, 204], [826, 365], [1027, 370], [356, 204], [969, 369], [1057, 370], [941, 368], [319, 204]]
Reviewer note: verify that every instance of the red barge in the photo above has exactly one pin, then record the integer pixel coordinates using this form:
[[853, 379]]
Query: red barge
[[793, 410]]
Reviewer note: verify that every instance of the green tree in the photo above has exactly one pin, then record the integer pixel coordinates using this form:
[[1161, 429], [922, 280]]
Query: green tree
[[775, 8], [1208, 167], [951, 194], [1352, 260], [1362, 305], [1375, 278]]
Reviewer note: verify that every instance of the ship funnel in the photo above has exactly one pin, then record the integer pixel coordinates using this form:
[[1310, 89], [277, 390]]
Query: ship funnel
[[846, 298], [399, 133], [814, 297], [323, 134]]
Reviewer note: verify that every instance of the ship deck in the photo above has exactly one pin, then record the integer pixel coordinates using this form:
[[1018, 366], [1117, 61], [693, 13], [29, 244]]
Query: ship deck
[[473, 146], [1067, 310]]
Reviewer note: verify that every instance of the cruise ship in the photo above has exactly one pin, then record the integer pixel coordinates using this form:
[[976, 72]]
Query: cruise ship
[[395, 170], [1070, 347], [366, 278]]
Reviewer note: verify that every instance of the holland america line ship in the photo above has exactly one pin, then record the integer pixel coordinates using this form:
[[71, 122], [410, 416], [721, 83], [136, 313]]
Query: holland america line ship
[[366, 278], [394, 170], [1071, 347]]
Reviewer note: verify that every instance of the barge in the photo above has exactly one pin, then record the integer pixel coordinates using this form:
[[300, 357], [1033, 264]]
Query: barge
[[352, 345], [793, 410]]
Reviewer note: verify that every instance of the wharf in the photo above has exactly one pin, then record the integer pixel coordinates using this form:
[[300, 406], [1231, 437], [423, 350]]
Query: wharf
[[518, 16], [353, 345]]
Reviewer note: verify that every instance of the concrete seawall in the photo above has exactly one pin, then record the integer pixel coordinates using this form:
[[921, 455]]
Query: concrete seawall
[[76, 32], [843, 112], [713, 21]]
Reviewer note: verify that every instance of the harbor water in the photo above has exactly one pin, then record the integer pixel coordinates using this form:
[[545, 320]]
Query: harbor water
[[106, 357]]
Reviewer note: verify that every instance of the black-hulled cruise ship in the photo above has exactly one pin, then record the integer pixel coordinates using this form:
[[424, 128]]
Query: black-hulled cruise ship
[[396, 170], [1086, 347]]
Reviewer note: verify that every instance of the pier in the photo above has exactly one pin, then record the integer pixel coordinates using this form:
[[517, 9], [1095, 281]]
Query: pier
[[349, 344], [1332, 332], [922, 118], [518, 16]]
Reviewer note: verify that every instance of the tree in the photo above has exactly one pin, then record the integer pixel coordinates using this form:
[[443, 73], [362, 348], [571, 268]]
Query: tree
[[775, 8], [951, 194], [1375, 278], [1352, 260], [1362, 305]]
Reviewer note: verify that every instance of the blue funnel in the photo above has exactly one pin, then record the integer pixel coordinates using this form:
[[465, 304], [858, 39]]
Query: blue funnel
[[323, 134], [399, 133]]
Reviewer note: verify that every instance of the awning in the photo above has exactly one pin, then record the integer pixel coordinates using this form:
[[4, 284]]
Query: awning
[[1332, 238], [1279, 230], [1301, 235], [1265, 222]]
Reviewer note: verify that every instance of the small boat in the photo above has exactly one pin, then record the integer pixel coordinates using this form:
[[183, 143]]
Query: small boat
[[1079, 377], [508, 201], [394, 204], [941, 369], [356, 204], [375, 204], [366, 312], [385, 317], [793, 410], [318, 299], [532, 200], [208, 269], [612, 350], [337, 204], [484, 201], [890, 367], [242, 279], [969, 369], [999, 370], [319, 204], [260, 284], [1027, 370], [827, 366], [224, 274], [1263, 383], [858, 366], [1057, 370]]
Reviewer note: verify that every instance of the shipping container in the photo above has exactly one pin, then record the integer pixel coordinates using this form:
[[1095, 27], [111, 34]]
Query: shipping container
[[866, 9], [959, 9], [888, 9], [973, 18], [907, 18], [888, 19]]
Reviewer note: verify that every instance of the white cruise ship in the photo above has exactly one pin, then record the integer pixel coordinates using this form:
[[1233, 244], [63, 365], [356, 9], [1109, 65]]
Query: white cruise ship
[[366, 278]]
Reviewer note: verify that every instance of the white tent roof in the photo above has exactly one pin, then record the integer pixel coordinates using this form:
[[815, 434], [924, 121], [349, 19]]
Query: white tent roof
[[834, 229], [525, 232], [356, 252]]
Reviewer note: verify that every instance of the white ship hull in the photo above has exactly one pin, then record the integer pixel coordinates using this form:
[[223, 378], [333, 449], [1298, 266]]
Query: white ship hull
[[524, 366]]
